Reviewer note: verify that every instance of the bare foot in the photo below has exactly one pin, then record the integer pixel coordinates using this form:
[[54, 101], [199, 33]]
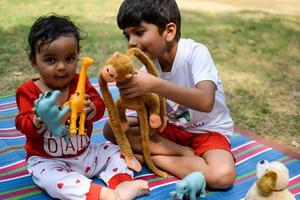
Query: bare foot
[[109, 194], [129, 190]]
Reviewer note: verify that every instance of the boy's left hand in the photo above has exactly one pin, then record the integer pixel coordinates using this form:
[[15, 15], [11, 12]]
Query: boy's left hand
[[138, 84], [89, 108]]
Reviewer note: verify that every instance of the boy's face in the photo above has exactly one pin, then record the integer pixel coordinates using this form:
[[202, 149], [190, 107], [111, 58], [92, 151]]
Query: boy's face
[[146, 37], [57, 61]]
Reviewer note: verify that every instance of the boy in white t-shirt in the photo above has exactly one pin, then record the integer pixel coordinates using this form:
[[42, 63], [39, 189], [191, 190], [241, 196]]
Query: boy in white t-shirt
[[196, 137]]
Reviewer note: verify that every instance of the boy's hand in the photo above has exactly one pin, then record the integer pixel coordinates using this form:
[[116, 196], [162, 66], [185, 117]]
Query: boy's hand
[[89, 108], [139, 84], [38, 124]]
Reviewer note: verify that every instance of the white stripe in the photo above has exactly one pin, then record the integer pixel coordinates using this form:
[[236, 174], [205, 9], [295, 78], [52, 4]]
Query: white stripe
[[291, 179], [12, 164], [158, 186], [9, 108], [8, 129], [16, 137], [296, 194], [15, 178], [4, 104], [143, 175], [252, 141], [268, 149]]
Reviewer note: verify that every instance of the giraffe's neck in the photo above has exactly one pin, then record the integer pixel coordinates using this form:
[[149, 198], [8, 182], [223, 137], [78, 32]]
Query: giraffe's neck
[[82, 76]]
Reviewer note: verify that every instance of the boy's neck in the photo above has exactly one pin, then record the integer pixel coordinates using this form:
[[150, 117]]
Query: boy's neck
[[167, 60], [44, 88]]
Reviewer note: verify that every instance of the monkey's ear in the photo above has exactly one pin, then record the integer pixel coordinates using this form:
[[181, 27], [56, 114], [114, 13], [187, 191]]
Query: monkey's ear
[[267, 183], [133, 52], [116, 54]]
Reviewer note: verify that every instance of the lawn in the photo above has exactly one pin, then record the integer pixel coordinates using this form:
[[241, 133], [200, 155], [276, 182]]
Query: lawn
[[256, 48]]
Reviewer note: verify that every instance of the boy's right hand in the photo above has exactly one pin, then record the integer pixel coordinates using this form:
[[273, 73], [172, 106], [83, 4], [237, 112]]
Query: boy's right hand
[[38, 123]]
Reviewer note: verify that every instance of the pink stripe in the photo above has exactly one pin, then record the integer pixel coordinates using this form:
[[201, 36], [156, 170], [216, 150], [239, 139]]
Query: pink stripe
[[8, 117], [14, 175], [245, 178], [9, 103], [5, 107], [286, 160], [294, 181], [11, 148], [295, 190], [13, 129], [251, 153], [162, 181], [20, 192], [13, 166], [11, 135], [248, 146]]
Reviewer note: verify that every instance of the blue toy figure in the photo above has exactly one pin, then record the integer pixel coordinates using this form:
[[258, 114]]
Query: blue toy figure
[[52, 114], [190, 185]]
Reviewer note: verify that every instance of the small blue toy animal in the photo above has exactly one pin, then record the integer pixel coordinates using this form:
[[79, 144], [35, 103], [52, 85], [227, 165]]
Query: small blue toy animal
[[190, 185], [52, 114]]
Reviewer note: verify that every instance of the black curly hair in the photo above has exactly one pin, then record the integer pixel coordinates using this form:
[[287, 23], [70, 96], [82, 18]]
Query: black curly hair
[[157, 12], [46, 29]]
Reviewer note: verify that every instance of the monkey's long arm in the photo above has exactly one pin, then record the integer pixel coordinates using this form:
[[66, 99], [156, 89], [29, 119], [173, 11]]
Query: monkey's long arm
[[152, 70], [121, 138]]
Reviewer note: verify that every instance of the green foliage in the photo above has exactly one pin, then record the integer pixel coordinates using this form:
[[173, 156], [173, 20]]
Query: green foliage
[[257, 54]]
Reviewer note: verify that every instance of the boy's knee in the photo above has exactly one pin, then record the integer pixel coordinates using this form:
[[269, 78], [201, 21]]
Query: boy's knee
[[223, 178]]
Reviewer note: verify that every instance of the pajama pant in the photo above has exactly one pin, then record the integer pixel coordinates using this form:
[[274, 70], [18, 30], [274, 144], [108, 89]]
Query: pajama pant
[[69, 178]]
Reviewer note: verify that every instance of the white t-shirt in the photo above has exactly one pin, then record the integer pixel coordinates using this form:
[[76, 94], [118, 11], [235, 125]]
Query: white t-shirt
[[193, 63]]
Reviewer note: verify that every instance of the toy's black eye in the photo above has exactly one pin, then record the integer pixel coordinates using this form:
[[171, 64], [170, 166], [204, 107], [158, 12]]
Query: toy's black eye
[[262, 162], [59, 108]]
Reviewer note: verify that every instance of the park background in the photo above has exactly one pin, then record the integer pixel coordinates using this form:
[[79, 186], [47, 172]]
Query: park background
[[255, 45]]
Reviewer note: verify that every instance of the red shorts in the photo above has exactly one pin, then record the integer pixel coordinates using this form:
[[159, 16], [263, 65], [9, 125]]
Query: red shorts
[[199, 142]]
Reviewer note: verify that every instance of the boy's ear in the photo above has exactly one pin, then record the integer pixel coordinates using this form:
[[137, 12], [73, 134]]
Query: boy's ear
[[170, 31]]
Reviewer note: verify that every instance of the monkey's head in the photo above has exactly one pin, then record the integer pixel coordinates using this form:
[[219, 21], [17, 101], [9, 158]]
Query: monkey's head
[[117, 68]]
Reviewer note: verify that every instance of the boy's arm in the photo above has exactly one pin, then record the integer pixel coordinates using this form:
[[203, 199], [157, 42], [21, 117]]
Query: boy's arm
[[26, 121], [200, 98]]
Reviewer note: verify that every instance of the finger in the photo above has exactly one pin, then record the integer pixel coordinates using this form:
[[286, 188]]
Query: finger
[[33, 109], [86, 110], [129, 94], [87, 103], [86, 96], [39, 119], [125, 81]]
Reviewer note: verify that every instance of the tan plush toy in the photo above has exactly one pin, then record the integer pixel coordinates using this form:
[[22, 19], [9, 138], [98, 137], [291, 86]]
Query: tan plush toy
[[150, 108], [272, 182]]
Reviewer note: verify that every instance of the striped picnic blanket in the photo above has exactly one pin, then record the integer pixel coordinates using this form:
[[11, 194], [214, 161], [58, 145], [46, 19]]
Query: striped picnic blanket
[[16, 182]]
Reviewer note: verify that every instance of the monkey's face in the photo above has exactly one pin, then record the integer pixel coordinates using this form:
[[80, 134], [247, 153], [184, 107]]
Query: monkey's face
[[119, 67]]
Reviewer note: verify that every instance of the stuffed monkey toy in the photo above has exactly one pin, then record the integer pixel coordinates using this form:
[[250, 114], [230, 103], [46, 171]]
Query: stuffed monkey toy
[[150, 107]]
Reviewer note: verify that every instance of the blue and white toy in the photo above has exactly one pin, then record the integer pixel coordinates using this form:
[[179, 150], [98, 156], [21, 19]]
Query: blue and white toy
[[52, 114], [190, 185]]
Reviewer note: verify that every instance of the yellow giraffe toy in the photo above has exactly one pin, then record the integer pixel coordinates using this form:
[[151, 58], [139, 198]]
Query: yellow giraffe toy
[[77, 99]]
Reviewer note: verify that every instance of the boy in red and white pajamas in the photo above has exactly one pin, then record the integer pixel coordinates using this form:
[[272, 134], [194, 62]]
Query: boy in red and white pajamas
[[64, 167]]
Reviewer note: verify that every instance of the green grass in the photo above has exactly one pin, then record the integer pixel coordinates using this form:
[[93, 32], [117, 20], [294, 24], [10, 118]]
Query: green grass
[[257, 54]]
